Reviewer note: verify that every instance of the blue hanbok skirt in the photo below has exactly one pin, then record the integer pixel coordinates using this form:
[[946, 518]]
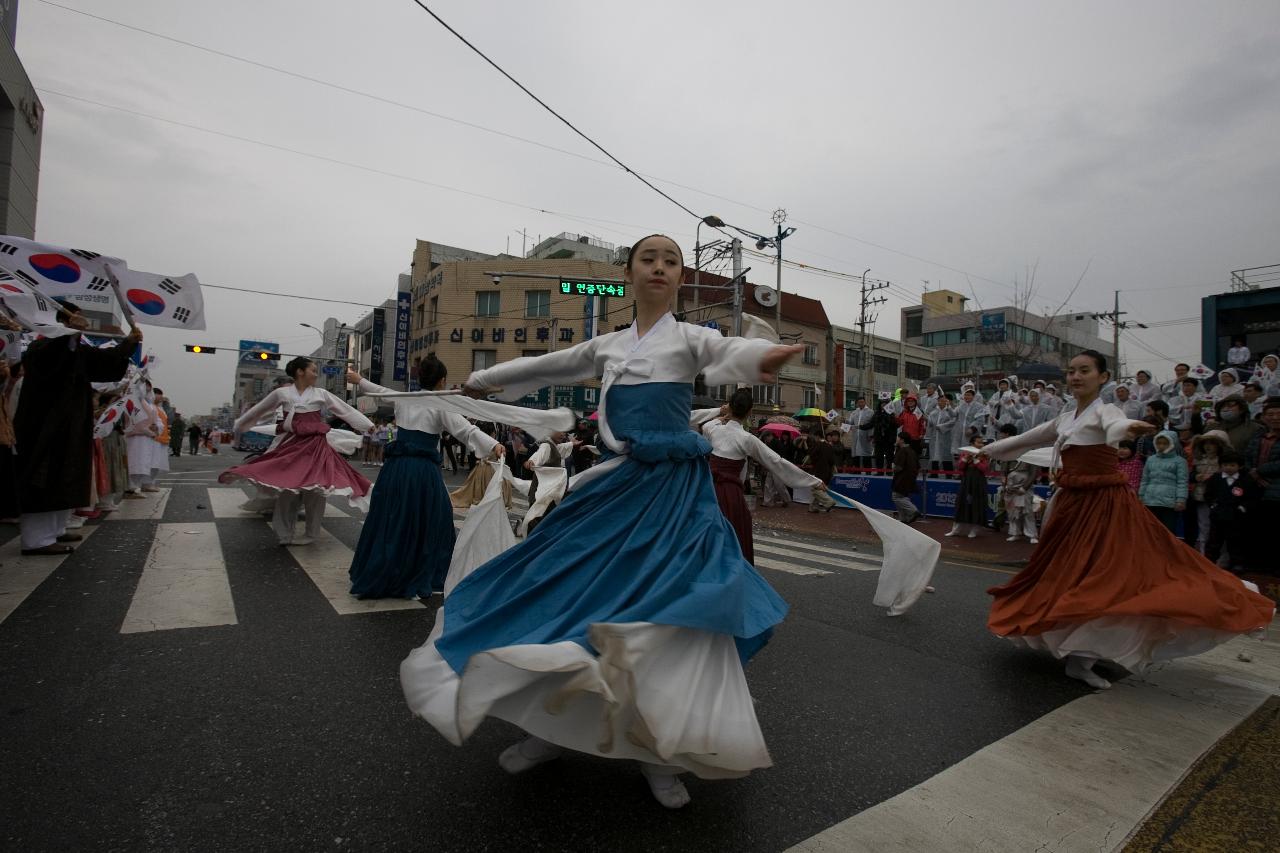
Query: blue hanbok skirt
[[620, 625], [407, 539]]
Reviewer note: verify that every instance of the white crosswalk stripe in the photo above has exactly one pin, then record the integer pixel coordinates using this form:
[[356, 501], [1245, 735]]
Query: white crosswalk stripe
[[184, 582], [21, 575], [327, 561], [226, 502], [150, 508]]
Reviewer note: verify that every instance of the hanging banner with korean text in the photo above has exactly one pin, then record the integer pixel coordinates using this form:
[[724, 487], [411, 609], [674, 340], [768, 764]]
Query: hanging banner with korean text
[[400, 366]]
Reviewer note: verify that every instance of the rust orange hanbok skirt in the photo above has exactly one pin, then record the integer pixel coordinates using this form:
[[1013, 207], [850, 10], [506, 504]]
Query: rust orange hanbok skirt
[[1109, 581]]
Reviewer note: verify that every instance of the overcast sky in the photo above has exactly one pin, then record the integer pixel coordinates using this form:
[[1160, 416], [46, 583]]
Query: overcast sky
[[926, 141]]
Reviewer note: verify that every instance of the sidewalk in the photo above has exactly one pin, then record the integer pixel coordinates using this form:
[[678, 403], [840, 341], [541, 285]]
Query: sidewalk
[[989, 546]]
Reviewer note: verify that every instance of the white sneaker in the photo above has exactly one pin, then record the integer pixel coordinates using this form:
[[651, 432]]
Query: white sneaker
[[1013, 538], [75, 522], [952, 532], [301, 540], [1034, 541], [973, 534]]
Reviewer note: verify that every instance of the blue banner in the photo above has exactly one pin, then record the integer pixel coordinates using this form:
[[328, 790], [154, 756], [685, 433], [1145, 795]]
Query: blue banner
[[248, 348], [400, 368]]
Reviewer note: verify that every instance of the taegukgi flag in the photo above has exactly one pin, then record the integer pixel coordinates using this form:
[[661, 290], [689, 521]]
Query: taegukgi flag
[[85, 278], [11, 346], [32, 308]]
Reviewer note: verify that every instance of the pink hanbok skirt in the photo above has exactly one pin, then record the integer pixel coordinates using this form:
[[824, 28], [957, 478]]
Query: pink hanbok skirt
[[303, 461]]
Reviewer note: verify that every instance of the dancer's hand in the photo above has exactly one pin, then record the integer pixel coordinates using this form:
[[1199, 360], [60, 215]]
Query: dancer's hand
[[1140, 429], [476, 393], [353, 377], [499, 451], [775, 358]]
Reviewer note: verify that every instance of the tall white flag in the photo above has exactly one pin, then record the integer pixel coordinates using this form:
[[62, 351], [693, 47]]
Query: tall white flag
[[85, 277]]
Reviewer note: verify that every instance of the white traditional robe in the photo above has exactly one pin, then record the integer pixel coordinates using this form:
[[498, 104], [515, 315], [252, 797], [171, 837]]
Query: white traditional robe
[[942, 422], [861, 438], [311, 399], [731, 441]]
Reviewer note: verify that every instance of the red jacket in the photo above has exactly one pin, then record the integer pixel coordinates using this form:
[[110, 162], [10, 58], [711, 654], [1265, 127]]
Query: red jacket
[[912, 423]]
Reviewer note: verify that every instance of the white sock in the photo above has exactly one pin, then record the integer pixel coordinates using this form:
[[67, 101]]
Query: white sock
[[665, 785], [1080, 667], [527, 754]]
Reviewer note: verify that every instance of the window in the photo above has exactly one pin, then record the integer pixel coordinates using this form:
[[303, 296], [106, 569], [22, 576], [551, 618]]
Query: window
[[419, 316], [914, 325], [853, 358], [946, 337], [530, 353], [488, 303], [810, 353], [884, 364], [434, 314], [953, 366], [810, 398], [762, 394], [537, 303], [918, 372], [482, 358]]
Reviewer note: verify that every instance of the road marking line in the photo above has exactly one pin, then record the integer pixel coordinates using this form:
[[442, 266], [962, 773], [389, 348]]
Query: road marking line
[[184, 582], [789, 568], [809, 546], [151, 508], [327, 562], [225, 503], [864, 563], [21, 575]]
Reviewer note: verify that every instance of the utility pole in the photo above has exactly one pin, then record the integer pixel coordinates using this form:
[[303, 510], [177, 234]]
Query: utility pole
[[1117, 326], [862, 326], [779, 217], [736, 251]]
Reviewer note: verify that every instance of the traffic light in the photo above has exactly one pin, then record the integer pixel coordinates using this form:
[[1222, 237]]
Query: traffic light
[[200, 348], [263, 355]]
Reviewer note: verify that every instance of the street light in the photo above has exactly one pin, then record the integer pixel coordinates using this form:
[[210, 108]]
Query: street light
[[714, 222]]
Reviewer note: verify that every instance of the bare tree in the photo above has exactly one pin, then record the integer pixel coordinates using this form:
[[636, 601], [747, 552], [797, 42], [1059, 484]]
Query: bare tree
[[1006, 342]]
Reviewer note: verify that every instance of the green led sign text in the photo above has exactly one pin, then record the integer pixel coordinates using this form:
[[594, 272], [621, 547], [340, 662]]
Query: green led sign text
[[591, 288]]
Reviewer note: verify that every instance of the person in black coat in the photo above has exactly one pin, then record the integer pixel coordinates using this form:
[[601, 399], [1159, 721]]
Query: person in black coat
[[54, 430], [884, 434], [1230, 496]]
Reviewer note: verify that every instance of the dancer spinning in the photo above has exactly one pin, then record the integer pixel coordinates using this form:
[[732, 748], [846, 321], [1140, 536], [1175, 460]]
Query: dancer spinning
[[731, 447], [302, 465], [1108, 581], [634, 591], [407, 539]]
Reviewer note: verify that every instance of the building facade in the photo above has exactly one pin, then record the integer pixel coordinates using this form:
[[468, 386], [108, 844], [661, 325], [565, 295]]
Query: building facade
[[254, 377], [990, 344], [894, 364], [472, 319], [804, 382], [566, 246], [1251, 313], [21, 132], [373, 346]]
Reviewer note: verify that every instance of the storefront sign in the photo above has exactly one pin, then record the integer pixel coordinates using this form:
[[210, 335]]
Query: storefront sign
[[400, 369]]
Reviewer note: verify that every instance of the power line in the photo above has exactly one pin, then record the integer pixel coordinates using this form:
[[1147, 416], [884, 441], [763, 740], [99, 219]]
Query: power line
[[641, 178]]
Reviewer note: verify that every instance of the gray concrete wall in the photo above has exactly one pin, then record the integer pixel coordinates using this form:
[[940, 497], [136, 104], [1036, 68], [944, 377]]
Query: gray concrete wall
[[21, 128]]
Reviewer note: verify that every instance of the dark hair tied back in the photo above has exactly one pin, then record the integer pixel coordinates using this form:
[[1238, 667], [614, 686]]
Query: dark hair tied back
[[296, 364], [741, 402], [431, 372], [1099, 360]]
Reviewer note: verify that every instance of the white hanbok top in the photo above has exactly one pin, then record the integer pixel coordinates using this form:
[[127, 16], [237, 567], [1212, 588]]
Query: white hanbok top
[[731, 441], [1098, 423], [670, 351], [435, 421], [311, 399], [542, 457]]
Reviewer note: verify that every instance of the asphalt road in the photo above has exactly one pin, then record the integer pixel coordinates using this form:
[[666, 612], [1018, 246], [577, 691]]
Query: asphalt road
[[287, 730]]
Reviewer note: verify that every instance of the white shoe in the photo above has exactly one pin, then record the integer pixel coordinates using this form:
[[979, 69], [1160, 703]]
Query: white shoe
[[1034, 541], [301, 540], [952, 532], [973, 534], [666, 787], [75, 522], [527, 754], [1013, 538]]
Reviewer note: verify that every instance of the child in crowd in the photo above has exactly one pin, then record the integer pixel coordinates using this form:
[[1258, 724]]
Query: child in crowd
[[1229, 497], [1129, 464], [1203, 456], [1164, 481], [1019, 499], [971, 500]]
